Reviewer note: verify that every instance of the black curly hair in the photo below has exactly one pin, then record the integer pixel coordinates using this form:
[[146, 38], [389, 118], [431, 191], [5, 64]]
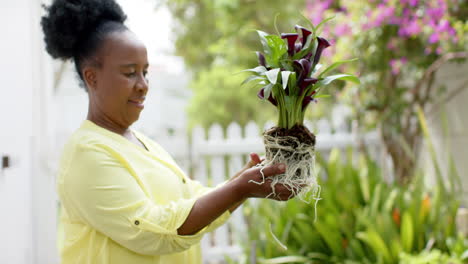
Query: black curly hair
[[75, 29]]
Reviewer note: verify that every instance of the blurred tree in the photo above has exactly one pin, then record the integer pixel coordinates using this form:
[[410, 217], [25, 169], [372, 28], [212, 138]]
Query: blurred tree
[[217, 40], [400, 45]]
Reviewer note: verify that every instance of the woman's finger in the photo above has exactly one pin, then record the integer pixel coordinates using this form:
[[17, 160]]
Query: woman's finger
[[254, 159], [274, 169]]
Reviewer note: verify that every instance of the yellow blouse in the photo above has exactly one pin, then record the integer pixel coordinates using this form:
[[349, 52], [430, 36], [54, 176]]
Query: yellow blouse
[[121, 203]]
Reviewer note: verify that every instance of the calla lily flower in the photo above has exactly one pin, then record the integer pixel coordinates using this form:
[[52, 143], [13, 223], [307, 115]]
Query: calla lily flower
[[270, 98], [297, 47], [303, 67], [306, 66], [322, 44], [261, 59], [305, 33], [298, 67], [291, 38], [307, 101], [291, 65], [303, 84]]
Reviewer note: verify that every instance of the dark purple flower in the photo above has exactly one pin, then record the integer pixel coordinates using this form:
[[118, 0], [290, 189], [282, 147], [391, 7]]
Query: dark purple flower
[[307, 101], [298, 67], [305, 33], [303, 84], [322, 44], [261, 59], [297, 47], [306, 67], [291, 38], [270, 98]]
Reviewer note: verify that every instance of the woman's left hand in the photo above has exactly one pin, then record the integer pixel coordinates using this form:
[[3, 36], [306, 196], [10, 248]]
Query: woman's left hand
[[254, 160]]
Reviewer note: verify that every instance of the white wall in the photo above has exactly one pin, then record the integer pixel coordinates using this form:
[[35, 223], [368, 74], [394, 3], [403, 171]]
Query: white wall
[[453, 118], [27, 219], [16, 126]]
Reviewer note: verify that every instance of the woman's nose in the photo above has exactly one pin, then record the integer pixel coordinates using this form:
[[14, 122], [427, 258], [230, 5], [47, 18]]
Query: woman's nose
[[142, 84]]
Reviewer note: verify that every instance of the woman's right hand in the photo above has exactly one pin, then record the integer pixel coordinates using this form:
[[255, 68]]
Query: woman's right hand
[[252, 184]]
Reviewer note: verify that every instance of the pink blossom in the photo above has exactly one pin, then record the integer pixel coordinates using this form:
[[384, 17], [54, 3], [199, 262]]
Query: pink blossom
[[435, 13], [388, 12], [413, 2], [342, 30], [397, 64], [444, 26], [413, 28], [434, 38]]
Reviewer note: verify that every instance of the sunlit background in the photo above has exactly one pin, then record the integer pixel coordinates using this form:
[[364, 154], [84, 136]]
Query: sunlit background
[[391, 152]]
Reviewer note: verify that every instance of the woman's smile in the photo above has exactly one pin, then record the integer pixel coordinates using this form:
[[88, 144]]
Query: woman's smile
[[140, 103]]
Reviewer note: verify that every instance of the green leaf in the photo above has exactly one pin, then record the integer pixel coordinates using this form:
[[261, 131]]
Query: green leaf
[[309, 23], [317, 28], [257, 70], [390, 200], [407, 232], [277, 48], [307, 47], [334, 65], [267, 91], [375, 241], [272, 75], [316, 68], [264, 41], [287, 259], [285, 78], [331, 237], [276, 25], [251, 78], [345, 77], [464, 255]]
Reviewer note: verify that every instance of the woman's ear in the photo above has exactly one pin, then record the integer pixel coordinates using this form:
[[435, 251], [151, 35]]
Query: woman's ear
[[90, 77]]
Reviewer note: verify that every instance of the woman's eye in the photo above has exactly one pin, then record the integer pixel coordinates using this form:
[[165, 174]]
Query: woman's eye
[[145, 73], [130, 74]]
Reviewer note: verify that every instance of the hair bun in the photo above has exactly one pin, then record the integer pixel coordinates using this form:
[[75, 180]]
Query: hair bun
[[68, 22]]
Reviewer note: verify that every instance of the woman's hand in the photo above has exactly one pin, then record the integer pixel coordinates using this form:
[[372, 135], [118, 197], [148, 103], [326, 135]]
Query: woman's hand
[[232, 194], [254, 160], [252, 184]]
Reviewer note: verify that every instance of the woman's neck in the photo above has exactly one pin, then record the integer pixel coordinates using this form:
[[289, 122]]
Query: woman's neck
[[107, 123]]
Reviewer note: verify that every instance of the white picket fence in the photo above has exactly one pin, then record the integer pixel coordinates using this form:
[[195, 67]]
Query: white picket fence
[[213, 157]]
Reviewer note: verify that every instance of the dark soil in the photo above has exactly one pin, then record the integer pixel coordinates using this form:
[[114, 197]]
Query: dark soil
[[298, 131]]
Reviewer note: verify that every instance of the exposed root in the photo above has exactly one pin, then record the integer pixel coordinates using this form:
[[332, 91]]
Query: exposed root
[[299, 158]]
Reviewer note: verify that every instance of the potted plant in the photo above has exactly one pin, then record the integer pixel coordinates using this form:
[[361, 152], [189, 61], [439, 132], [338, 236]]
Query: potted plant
[[290, 77]]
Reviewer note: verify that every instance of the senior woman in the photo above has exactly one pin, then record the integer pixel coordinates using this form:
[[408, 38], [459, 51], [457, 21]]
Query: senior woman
[[124, 199]]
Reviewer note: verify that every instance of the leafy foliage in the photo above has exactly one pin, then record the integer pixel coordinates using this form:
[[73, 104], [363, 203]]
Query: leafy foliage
[[215, 40], [360, 219], [400, 46], [286, 72]]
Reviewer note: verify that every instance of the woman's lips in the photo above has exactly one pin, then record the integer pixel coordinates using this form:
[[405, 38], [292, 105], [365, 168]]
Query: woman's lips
[[137, 103]]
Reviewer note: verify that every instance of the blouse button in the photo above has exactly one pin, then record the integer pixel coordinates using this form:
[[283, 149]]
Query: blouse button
[[137, 222]]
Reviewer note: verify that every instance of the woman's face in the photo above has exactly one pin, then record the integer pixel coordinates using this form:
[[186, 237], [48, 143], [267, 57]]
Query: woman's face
[[118, 87]]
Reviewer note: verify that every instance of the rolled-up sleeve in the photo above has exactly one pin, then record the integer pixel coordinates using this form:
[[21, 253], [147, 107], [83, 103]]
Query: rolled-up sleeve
[[101, 191]]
